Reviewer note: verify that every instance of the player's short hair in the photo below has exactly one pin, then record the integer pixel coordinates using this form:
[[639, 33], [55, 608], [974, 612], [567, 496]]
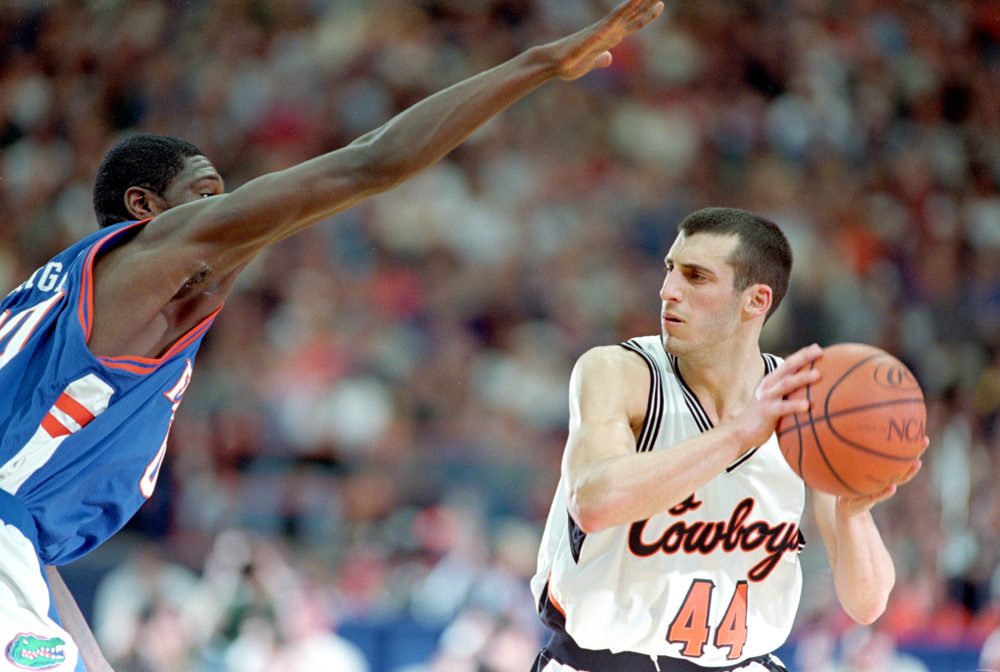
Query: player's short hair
[[762, 255], [141, 160]]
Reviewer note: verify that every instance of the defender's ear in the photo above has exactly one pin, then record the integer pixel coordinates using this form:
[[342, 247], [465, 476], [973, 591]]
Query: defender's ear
[[143, 203]]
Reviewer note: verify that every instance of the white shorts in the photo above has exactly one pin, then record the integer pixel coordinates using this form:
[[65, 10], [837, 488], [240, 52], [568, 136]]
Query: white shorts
[[30, 635]]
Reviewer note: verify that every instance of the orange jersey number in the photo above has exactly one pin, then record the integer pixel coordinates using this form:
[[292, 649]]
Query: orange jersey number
[[690, 626]]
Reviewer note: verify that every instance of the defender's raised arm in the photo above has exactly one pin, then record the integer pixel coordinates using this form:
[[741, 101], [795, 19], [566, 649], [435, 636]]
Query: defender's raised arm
[[193, 246]]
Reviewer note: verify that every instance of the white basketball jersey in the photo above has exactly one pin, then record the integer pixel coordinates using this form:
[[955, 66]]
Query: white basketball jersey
[[715, 580]]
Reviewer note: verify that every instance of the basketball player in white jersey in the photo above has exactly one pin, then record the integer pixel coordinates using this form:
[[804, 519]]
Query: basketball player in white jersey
[[672, 543]]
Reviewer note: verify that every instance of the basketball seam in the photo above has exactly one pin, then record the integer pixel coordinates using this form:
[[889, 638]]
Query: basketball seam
[[829, 417], [819, 445], [866, 407]]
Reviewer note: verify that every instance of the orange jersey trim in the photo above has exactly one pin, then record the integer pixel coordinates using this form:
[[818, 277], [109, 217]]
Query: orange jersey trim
[[143, 365], [86, 307], [136, 365]]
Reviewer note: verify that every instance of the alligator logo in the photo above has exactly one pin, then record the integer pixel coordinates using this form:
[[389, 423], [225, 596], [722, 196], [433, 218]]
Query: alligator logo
[[32, 652]]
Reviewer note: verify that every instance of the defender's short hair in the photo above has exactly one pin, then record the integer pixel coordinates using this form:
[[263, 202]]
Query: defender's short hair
[[762, 255], [142, 160]]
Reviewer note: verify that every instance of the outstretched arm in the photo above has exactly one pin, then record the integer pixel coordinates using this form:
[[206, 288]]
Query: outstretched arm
[[75, 624], [208, 239]]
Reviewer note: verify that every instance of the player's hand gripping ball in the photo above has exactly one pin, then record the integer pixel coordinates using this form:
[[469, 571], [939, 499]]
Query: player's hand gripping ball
[[865, 426]]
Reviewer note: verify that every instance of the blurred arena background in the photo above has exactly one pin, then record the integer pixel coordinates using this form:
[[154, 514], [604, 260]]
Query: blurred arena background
[[358, 477]]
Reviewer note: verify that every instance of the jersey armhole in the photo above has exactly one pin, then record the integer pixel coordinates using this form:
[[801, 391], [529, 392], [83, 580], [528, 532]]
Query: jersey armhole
[[85, 309], [654, 402]]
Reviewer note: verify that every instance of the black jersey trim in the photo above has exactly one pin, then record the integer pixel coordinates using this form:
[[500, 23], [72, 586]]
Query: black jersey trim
[[742, 458], [698, 412], [654, 403], [550, 613], [576, 538], [690, 398], [770, 364]]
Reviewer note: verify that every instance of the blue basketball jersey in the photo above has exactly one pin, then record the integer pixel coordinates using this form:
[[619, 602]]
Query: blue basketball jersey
[[82, 437]]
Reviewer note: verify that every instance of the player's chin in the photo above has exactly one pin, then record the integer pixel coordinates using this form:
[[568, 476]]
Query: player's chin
[[672, 344]]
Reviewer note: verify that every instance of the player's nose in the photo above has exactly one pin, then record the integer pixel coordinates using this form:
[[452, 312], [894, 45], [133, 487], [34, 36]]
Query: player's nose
[[669, 290]]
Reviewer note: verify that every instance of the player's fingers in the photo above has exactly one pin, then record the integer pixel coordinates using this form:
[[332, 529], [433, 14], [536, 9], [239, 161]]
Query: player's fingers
[[914, 470], [783, 385], [856, 505], [792, 406], [885, 494], [802, 357]]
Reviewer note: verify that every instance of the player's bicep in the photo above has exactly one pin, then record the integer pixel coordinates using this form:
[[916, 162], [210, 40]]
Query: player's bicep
[[601, 393]]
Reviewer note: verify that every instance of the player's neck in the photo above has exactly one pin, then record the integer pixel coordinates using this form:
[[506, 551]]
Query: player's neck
[[723, 383]]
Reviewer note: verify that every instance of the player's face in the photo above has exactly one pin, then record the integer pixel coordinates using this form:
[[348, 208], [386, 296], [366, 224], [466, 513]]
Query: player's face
[[198, 179], [700, 304]]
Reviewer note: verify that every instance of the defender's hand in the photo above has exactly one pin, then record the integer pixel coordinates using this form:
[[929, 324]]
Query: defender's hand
[[587, 49]]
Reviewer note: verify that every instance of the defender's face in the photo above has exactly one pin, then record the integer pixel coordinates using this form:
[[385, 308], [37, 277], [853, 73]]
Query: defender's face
[[198, 179], [700, 305]]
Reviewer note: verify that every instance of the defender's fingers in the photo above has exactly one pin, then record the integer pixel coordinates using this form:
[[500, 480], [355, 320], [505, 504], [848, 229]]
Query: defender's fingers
[[603, 60], [634, 14], [647, 16]]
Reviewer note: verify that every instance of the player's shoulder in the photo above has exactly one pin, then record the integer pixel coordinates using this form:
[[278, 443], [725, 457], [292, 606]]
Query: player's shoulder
[[610, 360], [609, 376]]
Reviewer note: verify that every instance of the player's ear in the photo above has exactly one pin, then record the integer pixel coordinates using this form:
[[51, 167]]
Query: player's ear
[[142, 202], [758, 300]]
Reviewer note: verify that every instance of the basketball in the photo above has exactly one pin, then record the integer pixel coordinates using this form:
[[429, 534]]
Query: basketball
[[865, 425]]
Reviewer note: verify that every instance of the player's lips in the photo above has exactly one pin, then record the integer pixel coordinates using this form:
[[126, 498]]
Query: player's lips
[[670, 318]]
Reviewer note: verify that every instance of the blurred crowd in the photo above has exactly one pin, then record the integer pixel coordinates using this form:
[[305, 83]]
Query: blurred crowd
[[372, 438]]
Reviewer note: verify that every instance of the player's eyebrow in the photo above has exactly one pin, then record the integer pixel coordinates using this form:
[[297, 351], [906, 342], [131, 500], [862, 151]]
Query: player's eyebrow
[[690, 266], [210, 177]]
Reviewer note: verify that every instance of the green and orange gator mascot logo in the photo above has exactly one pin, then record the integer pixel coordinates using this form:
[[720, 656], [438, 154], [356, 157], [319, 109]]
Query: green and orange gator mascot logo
[[32, 652]]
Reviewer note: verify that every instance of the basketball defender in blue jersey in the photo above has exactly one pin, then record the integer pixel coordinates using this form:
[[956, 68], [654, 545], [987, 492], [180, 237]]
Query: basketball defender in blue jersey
[[97, 347]]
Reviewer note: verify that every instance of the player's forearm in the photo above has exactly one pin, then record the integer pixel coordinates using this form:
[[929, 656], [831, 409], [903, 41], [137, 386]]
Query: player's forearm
[[75, 624], [863, 571], [625, 489]]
